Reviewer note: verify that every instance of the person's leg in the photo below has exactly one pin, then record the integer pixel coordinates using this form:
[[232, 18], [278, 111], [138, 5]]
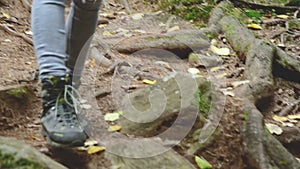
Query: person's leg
[[61, 121], [49, 34], [81, 25]]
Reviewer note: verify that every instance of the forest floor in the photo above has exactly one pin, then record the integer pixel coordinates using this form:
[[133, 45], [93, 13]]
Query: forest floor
[[20, 118]]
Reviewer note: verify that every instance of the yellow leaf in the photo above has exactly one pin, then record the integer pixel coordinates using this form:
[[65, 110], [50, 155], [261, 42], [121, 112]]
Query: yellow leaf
[[137, 16], [214, 69], [5, 15], [108, 15], [254, 26], [151, 82], [102, 25], [221, 75], [282, 16], [95, 149], [92, 62], [220, 51], [138, 31], [111, 116], [115, 128], [280, 118], [273, 128], [175, 28], [294, 117], [202, 163], [106, 33]]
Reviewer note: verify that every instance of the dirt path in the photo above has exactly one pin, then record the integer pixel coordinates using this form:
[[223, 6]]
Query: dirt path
[[20, 118]]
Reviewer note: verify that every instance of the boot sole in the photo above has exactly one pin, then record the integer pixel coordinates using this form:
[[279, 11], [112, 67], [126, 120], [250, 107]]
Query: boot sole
[[56, 144]]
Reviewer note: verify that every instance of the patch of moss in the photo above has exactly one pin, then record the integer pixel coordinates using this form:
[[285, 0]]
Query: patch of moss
[[18, 92], [203, 104], [294, 24], [8, 161], [246, 116], [197, 11], [211, 35]]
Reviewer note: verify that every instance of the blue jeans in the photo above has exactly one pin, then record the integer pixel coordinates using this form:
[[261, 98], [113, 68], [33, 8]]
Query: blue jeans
[[61, 47]]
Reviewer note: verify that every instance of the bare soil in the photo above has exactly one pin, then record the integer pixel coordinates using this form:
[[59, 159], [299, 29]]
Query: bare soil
[[20, 117]]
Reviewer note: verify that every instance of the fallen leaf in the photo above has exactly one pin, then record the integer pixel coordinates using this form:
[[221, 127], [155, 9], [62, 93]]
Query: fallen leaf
[[108, 15], [202, 163], [194, 71], [95, 149], [228, 93], [287, 124], [220, 51], [28, 33], [282, 16], [254, 26], [137, 16], [86, 106], [111, 116], [161, 24], [90, 143], [174, 28], [5, 15], [273, 128], [106, 33], [221, 75], [121, 31], [294, 117], [280, 118], [138, 31], [92, 63], [102, 25], [151, 82], [214, 69], [239, 83], [115, 128]]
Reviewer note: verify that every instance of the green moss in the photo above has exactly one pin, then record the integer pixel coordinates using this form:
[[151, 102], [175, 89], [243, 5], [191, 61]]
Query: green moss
[[211, 35], [8, 161], [18, 92], [294, 24], [197, 11], [203, 104], [246, 116]]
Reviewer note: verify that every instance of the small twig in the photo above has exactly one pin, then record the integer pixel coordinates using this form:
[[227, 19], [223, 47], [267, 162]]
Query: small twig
[[288, 109], [9, 30], [270, 8], [272, 22], [103, 92]]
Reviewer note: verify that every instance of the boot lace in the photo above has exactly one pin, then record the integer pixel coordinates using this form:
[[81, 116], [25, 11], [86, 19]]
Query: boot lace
[[67, 107]]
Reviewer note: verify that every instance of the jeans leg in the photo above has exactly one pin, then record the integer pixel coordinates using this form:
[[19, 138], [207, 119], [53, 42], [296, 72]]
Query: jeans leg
[[49, 34], [81, 25]]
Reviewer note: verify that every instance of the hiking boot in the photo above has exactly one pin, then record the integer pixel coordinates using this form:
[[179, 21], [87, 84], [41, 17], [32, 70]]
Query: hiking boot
[[62, 123]]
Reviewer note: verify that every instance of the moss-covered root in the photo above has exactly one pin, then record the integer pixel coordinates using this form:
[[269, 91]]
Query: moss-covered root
[[261, 148]]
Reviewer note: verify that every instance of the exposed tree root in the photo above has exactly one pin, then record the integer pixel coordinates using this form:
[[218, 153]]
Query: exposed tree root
[[261, 148], [270, 8]]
